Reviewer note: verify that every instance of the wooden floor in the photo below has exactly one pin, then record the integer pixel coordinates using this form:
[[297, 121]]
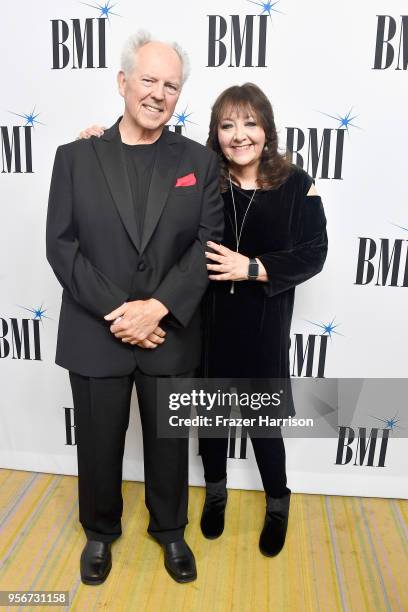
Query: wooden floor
[[341, 553]]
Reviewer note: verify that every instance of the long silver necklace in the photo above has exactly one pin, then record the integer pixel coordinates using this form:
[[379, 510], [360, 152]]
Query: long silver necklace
[[238, 236]]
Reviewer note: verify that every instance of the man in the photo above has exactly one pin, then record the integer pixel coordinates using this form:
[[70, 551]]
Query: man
[[128, 219]]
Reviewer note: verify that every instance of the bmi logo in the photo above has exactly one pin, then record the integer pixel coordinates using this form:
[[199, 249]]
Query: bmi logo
[[16, 144], [391, 45], [320, 151], [81, 43], [309, 352], [366, 447], [240, 40], [20, 337], [383, 261]]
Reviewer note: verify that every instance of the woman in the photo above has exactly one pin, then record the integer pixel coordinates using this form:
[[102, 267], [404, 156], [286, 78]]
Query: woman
[[275, 234], [275, 238]]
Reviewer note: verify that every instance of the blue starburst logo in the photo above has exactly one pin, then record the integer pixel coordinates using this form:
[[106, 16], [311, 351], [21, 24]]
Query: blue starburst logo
[[389, 423], [328, 328], [267, 7], [345, 121], [183, 118], [39, 313], [105, 10], [30, 118]]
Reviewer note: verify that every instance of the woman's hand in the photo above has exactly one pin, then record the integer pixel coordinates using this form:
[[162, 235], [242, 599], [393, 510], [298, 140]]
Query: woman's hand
[[94, 130], [230, 264]]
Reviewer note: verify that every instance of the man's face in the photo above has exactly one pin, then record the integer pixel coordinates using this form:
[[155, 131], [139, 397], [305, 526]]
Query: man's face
[[152, 89]]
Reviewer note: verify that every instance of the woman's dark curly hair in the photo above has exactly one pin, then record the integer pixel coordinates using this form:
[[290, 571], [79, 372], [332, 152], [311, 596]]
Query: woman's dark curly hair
[[274, 168]]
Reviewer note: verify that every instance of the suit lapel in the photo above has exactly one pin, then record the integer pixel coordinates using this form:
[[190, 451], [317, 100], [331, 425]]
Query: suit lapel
[[112, 159], [168, 155]]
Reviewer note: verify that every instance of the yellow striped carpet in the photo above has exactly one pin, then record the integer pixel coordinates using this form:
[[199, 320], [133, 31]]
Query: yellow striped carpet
[[341, 553]]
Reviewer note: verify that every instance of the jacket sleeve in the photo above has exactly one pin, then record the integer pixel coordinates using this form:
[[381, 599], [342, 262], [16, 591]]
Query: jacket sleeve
[[184, 285], [305, 258], [89, 287]]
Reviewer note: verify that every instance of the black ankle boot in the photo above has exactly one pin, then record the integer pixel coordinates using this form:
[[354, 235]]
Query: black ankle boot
[[273, 533], [212, 518]]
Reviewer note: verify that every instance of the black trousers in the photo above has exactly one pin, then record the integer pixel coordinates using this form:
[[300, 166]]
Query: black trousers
[[102, 417], [270, 457]]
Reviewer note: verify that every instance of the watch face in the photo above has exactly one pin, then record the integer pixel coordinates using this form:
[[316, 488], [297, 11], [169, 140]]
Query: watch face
[[253, 269]]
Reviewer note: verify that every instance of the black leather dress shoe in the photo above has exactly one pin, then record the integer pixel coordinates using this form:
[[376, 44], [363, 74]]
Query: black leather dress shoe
[[213, 516], [179, 561], [96, 562], [273, 533]]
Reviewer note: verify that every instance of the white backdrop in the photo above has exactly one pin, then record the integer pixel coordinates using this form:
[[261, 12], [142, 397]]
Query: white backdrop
[[320, 64]]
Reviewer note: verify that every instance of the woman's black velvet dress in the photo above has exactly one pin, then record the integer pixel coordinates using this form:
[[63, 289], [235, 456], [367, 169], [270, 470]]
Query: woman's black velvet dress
[[247, 333]]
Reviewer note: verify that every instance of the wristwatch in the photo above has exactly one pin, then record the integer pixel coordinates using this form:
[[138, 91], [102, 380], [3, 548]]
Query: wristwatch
[[253, 269]]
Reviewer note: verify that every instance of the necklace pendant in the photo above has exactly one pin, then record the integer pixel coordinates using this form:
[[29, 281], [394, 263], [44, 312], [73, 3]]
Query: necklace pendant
[[232, 291]]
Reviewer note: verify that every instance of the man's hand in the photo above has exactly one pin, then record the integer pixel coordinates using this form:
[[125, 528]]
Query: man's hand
[[154, 340], [138, 321], [93, 130]]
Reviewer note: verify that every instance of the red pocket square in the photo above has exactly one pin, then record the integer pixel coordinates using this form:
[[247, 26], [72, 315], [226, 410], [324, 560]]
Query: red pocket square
[[186, 181]]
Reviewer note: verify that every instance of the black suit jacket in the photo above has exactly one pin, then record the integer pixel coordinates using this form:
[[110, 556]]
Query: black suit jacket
[[101, 261]]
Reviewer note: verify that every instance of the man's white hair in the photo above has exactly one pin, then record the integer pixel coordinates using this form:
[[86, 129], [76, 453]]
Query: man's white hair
[[141, 38]]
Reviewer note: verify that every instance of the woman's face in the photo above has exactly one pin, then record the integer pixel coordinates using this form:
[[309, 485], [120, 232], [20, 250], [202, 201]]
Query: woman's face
[[241, 137]]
